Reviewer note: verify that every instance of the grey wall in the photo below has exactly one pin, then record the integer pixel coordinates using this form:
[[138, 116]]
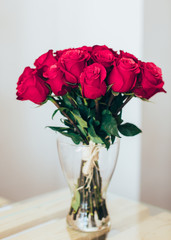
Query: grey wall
[[28, 156], [156, 117]]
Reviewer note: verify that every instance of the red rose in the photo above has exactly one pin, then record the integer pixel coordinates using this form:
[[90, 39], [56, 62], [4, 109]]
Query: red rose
[[31, 87], [57, 82], [150, 81], [85, 48], [124, 75], [51, 71], [72, 63], [103, 55], [45, 63], [45, 60], [59, 53], [127, 55], [92, 81]]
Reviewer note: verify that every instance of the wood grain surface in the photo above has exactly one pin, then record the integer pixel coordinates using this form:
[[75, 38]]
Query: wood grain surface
[[4, 201], [43, 218]]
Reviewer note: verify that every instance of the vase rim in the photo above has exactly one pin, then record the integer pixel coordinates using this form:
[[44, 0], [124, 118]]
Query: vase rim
[[61, 140]]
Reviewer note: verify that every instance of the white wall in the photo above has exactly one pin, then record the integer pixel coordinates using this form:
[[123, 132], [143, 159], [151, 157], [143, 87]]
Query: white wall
[[156, 138], [28, 155]]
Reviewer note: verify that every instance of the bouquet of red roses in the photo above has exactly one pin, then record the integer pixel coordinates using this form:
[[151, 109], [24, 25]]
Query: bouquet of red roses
[[90, 86]]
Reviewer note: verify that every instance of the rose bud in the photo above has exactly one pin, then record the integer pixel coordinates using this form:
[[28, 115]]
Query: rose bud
[[123, 76], [92, 81], [72, 63], [44, 62], [31, 87], [150, 81], [103, 55]]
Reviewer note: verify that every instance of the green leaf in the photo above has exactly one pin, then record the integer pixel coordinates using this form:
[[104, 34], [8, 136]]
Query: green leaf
[[93, 136], [84, 111], [59, 109], [115, 93], [93, 112], [146, 100], [76, 138], [112, 139], [129, 129], [58, 129], [54, 113], [109, 87], [83, 131], [119, 118], [109, 124], [129, 94], [91, 103], [78, 117], [76, 201], [96, 122], [67, 123], [66, 102], [72, 99], [116, 104], [79, 100], [105, 139]]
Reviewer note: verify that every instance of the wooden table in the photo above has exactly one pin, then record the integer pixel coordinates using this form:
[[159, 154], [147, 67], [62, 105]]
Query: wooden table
[[3, 201], [43, 218]]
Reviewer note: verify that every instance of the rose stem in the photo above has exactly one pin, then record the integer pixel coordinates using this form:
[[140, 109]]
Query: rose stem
[[72, 102], [110, 100], [95, 189], [96, 197], [92, 209], [102, 207], [53, 100], [97, 109], [126, 101], [99, 194]]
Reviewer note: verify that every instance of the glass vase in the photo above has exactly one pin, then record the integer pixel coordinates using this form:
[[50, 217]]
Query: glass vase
[[88, 170]]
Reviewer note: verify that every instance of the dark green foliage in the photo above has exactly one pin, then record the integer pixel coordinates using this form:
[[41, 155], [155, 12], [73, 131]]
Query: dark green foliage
[[102, 127], [93, 135], [76, 138], [129, 129], [109, 124], [117, 103]]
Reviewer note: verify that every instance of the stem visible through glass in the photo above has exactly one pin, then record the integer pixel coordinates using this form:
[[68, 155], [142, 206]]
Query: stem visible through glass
[[91, 199]]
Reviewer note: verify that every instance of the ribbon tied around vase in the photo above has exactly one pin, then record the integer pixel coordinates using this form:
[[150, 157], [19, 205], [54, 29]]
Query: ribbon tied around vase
[[90, 154]]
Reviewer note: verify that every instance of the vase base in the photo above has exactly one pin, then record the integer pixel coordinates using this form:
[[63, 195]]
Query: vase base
[[87, 225]]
